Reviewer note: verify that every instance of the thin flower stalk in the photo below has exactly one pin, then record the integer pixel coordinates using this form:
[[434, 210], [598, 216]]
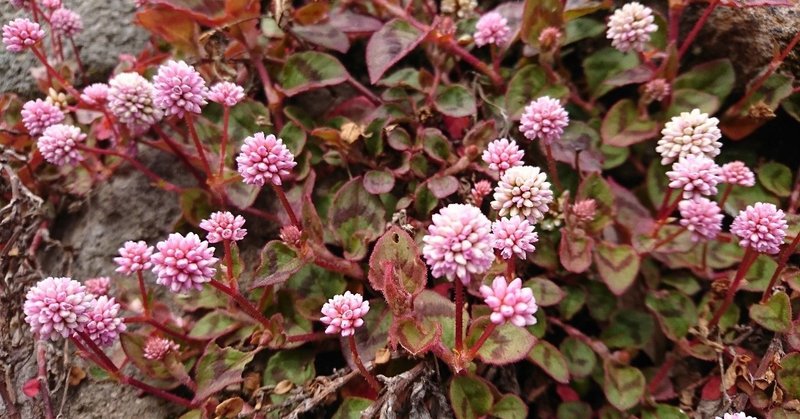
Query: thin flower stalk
[[226, 116], [459, 301], [747, 261], [286, 205], [473, 351], [244, 304], [143, 292], [165, 329], [44, 388], [783, 258], [226, 244], [197, 144], [696, 28], [373, 383]]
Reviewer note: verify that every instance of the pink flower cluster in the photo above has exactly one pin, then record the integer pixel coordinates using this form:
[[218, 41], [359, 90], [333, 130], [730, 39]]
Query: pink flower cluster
[[226, 93], [134, 257], [696, 174], [344, 313], [39, 114], [503, 154], [95, 94], [104, 325], [492, 28], [179, 88], [545, 119], [97, 286], [629, 28], [458, 244], [510, 302], [702, 217], [66, 22], [59, 144], [737, 173], [514, 236], [21, 34], [584, 210], [183, 263], [131, 99], [761, 227], [156, 348], [264, 159], [57, 307], [480, 190], [223, 226]]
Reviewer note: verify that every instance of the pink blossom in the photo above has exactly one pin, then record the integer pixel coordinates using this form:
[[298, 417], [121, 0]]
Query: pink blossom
[[344, 313], [502, 155], [291, 235], [59, 144], [696, 175], [179, 89], [702, 217], [584, 210], [130, 99], [184, 262], [104, 324], [523, 190], [761, 227], [66, 22], [134, 257], [545, 119], [57, 307], [479, 191], [492, 28], [690, 133], [95, 94], [98, 286], [264, 159], [21, 34], [156, 348], [223, 226], [226, 93], [510, 302], [656, 90], [458, 243], [514, 236], [549, 38], [629, 28], [39, 114], [737, 173]]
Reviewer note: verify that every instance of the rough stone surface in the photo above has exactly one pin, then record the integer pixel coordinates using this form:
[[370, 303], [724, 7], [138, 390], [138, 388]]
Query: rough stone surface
[[108, 32]]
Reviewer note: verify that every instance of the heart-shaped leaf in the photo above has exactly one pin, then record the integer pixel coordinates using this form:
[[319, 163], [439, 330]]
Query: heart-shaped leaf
[[506, 344], [775, 314], [575, 250], [389, 45], [550, 359], [470, 396], [776, 178], [546, 292], [623, 126], [278, 263], [618, 265], [580, 357], [509, 406], [530, 83], [623, 385], [789, 375], [308, 70], [219, 368], [676, 313], [356, 217], [455, 100], [415, 337], [377, 182]]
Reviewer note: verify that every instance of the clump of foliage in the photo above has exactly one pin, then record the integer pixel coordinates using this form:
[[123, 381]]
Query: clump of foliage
[[521, 209]]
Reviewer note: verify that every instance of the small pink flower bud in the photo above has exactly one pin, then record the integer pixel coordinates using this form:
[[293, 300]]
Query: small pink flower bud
[[584, 210], [95, 94], [549, 38], [66, 22], [291, 235], [510, 302], [492, 28], [761, 226], [344, 313], [514, 236], [696, 175], [264, 159], [21, 34], [702, 217], [134, 257], [179, 88], [39, 114], [480, 190], [503, 154], [59, 144], [104, 324], [545, 119], [459, 243], [183, 263], [223, 226], [156, 348], [98, 286], [737, 173], [226, 93]]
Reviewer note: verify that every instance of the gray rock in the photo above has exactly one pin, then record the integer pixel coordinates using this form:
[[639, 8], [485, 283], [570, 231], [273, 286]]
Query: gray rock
[[108, 32]]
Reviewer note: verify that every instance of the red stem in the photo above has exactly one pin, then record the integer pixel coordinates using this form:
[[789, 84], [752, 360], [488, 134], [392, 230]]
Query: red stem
[[308, 337], [459, 315], [669, 238], [44, 388], [273, 97], [696, 28], [178, 151], [147, 388], [161, 182], [286, 205], [510, 274], [54, 73], [725, 194], [481, 340], [664, 203], [324, 259], [78, 59], [226, 244], [243, 302], [113, 123], [675, 12], [782, 259], [662, 373], [143, 291], [101, 356], [749, 257], [197, 144], [663, 217], [226, 115], [551, 166], [164, 329], [351, 340]]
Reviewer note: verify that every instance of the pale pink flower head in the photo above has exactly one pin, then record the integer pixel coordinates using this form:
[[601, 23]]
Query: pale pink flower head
[[66, 22], [156, 348], [656, 90], [226, 93], [59, 144], [524, 191], [629, 28], [183, 263], [130, 100], [291, 235], [459, 243], [39, 114], [223, 226], [104, 324], [739, 415], [702, 217], [761, 227], [492, 28], [514, 236], [95, 94], [134, 257], [179, 89], [545, 119], [737, 173], [480, 190], [21, 34], [57, 307], [344, 313], [52, 4], [696, 175], [510, 302], [98, 286], [264, 159], [503, 154], [690, 133], [584, 210], [549, 38]]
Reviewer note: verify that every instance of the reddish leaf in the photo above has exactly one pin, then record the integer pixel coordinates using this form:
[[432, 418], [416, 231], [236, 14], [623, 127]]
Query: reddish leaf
[[324, 35], [537, 15], [31, 387], [309, 70], [624, 126], [618, 266], [389, 45], [575, 250]]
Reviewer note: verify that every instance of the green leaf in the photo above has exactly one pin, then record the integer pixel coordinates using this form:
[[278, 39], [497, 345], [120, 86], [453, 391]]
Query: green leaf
[[195, 205], [775, 314], [247, 117], [537, 15], [629, 328], [573, 302], [510, 406], [455, 100], [351, 408], [623, 385], [470, 397], [582, 28], [575, 250], [304, 71], [219, 368], [685, 99], [530, 83], [294, 137], [373, 335], [389, 45], [295, 365], [664, 411], [676, 313], [377, 182], [776, 178], [436, 145], [356, 217], [580, 357], [792, 106], [550, 359], [601, 302], [574, 410], [623, 126], [546, 292], [578, 8], [507, 344], [214, 324], [424, 201], [789, 375], [714, 77], [415, 337], [432, 309], [618, 265], [278, 263], [604, 64]]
